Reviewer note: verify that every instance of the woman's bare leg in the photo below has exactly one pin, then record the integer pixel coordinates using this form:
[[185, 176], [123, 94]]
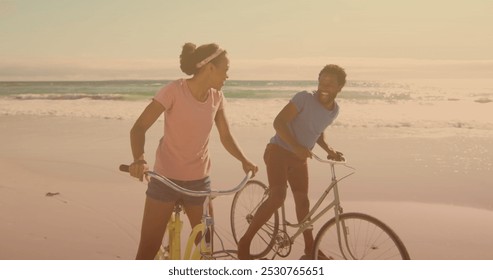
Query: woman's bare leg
[[156, 217], [194, 213]]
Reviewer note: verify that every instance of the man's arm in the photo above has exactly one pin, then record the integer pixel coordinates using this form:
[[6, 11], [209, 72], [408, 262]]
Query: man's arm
[[281, 125], [331, 153]]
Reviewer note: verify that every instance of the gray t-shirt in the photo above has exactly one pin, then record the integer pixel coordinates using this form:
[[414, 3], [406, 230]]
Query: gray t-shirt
[[312, 119]]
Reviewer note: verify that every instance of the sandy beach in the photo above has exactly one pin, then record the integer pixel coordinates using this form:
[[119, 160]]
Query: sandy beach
[[62, 196]]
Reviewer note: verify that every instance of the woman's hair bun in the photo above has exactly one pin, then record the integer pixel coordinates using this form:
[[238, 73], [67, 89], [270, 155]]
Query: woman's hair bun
[[187, 59]]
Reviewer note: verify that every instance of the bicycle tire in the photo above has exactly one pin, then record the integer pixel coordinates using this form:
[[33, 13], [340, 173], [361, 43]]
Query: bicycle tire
[[367, 238], [244, 206]]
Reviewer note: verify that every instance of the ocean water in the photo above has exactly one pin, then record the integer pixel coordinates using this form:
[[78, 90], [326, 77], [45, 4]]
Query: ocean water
[[430, 107], [358, 91], [354, 90]]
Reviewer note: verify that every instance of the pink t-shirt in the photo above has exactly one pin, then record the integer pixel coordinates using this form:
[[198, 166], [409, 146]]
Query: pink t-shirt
[[183, 151]]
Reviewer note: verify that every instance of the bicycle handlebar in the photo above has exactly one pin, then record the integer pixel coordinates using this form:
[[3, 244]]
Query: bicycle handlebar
[[124, 168], [214, 193], [331, 161]]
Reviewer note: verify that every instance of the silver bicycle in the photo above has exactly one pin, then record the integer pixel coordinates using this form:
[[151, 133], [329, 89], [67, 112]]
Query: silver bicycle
[[347, 236]]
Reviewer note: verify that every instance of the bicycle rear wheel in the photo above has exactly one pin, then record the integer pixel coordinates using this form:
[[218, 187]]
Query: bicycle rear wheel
[[244, 207], [362, 238]]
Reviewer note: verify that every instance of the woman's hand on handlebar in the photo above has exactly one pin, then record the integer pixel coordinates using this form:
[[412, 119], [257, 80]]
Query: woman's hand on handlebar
[[249, 166], [138, 168]]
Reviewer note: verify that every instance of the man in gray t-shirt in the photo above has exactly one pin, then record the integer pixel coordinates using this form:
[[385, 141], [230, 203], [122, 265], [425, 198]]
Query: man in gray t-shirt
[[299, 125], [311, 120]]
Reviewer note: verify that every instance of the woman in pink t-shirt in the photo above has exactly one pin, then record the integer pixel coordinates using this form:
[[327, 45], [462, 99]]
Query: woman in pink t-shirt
[[191, 108]]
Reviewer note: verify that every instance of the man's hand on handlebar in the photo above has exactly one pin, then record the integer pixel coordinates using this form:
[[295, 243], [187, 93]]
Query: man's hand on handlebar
[[335, 155]]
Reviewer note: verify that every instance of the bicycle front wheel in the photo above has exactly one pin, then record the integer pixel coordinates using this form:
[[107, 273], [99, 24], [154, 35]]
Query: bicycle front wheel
[[362, 237], [245, 205]]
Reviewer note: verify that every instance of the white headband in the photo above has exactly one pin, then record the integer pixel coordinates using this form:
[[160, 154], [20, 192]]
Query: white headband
[[211, 57]]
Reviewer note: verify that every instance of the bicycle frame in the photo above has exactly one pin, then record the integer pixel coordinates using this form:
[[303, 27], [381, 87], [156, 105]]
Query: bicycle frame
[[174, 227], [311, 218], [172, 250], [205, 229]]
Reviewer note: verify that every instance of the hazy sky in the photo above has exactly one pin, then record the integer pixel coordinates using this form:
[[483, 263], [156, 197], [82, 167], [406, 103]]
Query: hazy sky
[[265, 39]]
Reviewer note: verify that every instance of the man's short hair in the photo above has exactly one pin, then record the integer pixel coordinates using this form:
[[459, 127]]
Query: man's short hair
[[336, 70]]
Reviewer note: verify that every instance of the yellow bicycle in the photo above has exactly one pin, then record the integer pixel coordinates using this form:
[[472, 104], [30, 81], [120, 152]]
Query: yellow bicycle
[[203, 232]]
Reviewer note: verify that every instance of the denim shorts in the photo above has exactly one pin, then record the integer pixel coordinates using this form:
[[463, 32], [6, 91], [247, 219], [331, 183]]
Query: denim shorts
[[159, 191]]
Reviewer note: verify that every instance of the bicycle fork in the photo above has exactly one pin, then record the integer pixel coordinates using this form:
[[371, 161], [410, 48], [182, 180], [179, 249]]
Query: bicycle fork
[[343, 231], [340, 225], [204, 247]]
